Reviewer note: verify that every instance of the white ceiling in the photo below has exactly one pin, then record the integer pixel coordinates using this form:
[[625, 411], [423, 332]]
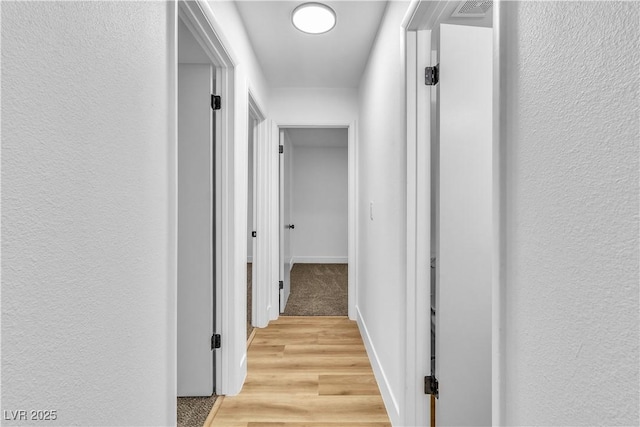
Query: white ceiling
[[318, 137], [291, 58]]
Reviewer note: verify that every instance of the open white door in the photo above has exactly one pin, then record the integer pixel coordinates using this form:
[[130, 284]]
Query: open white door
[[196, 256], [463, 259], [285, 221], [252, 216]]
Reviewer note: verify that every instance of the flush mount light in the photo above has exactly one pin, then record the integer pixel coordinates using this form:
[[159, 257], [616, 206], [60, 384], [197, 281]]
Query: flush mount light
[[313, 18]]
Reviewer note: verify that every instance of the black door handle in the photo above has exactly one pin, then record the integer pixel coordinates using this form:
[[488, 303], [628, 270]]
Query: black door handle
[[291, 226]]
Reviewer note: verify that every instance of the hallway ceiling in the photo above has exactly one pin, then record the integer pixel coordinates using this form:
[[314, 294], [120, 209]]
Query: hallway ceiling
[[290, 58]]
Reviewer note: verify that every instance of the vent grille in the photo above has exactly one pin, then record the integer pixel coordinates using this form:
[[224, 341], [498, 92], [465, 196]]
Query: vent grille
[[472, 9]]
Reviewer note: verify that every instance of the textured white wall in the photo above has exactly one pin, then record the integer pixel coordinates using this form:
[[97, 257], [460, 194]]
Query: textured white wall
[[572, 148], [382, 179], [319, 201], [88, 307]]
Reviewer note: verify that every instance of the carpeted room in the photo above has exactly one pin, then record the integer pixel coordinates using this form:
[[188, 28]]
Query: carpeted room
[[318, 290]]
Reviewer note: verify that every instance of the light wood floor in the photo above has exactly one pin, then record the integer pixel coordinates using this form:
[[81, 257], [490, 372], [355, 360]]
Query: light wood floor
[[306, 371]]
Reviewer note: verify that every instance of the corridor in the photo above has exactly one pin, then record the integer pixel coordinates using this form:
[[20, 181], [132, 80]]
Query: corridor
[[305, 371], [108, 313]]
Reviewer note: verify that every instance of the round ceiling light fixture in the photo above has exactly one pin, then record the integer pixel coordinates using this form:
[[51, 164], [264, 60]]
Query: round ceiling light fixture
[[313, 18]]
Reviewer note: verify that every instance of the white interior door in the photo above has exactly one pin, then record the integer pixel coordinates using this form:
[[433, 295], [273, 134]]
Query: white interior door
[[196, 288], [252, 221], [285, 220], [254, 216], [463, 272]]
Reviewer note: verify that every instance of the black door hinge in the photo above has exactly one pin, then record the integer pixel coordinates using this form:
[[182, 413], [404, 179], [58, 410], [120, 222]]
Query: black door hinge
[[254, 234], [432, 75], [431, 385], [215, 341], [281, 283], [216, 102], [281, 149]]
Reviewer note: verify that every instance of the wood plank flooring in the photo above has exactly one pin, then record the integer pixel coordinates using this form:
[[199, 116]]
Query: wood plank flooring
[[306, 371]]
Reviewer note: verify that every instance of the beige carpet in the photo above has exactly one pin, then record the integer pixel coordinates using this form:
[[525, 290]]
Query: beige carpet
[[193, 411], [318, 290]]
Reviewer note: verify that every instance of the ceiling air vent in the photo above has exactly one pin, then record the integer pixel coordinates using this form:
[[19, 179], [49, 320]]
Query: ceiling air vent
[[472, 9]]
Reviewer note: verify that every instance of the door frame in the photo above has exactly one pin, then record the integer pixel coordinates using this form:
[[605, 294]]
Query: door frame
[[199, 19], [421, 18], [352, 247], [261, 244]]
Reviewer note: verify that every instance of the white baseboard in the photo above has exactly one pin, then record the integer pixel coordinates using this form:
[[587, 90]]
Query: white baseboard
[[319, 260], [389, 399]]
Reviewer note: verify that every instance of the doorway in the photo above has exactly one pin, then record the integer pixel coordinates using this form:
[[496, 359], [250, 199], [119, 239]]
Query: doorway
[[252, 206], [196, 218], [314, 217], [450, 134], [229, 192], [196, 233]]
